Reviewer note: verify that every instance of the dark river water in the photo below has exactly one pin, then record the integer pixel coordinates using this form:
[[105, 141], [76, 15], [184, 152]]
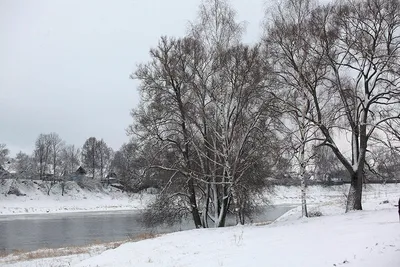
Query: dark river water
[[32, 232]]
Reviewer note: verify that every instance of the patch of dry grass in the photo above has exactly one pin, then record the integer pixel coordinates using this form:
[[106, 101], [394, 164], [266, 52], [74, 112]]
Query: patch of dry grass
[[144, 236], [262, 223]]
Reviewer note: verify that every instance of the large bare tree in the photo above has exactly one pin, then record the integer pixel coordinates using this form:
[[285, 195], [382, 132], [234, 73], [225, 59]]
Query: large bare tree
[[206, 109], [345, 59]]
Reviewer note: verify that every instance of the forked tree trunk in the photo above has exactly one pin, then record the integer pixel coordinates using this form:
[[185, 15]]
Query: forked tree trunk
[[223, 212], [359, 147]]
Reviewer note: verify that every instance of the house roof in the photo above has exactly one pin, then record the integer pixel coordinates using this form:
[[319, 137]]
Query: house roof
[[80, 170]]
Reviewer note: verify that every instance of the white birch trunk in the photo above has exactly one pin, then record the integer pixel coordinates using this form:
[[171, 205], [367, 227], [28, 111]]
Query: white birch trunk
[[304, 212], [302, 162]]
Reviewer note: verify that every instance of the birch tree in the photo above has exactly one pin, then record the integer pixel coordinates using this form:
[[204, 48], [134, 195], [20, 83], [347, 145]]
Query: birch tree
[[298, 72]]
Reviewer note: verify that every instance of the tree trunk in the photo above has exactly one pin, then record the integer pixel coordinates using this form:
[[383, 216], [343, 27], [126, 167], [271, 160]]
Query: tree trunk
[[355, 192], [191, 189], [205, 212], [224, 209], [194, 208], [302, 160], [304, 212], [62, 188]]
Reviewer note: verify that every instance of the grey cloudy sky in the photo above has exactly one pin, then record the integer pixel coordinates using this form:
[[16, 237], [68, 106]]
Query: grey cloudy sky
[[65, 64]]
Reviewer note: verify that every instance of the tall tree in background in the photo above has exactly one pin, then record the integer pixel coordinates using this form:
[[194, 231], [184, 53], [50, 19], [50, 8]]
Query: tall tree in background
[[89, 156], [104, 156], [129, 165], [70, 159], [24, 165], [326, 164], [56, 147], [42, 154]]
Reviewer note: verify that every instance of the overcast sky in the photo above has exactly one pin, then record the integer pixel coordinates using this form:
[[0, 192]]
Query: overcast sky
[[65, 65]]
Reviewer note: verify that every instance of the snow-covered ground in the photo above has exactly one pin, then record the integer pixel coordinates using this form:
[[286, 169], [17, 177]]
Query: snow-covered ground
[[369, 238], [75, 199], [362, 239], [357, 239]]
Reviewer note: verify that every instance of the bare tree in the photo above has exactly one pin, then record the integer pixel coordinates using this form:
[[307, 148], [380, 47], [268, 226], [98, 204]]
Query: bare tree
[[290, 49], [129, 164], [70, 159], [104, 155], [164, 119], [56, 146], [206, 112], [24, 165], [69, 162], [89, 155], [42, 154]]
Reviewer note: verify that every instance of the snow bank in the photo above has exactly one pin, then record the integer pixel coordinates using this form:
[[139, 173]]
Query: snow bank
[[76, 199]]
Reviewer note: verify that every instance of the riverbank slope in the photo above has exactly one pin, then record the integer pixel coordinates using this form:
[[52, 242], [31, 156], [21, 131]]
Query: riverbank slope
[[31, 197]]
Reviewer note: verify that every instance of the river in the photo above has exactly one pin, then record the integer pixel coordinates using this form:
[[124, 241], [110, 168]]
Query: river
[[32, 232]]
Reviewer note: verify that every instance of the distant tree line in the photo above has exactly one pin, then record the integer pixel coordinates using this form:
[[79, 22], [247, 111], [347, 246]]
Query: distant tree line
[[52, 158]]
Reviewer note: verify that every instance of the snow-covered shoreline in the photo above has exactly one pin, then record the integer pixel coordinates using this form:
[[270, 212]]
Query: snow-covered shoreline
[[36, 201]]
